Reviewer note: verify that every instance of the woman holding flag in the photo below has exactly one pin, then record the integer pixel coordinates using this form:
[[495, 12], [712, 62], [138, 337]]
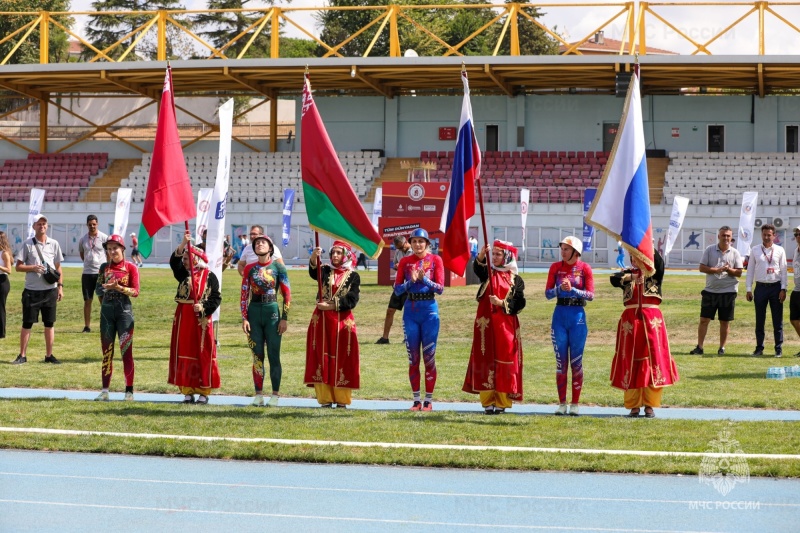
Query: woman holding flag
[[192, 351], [332, 353], [642, 363], [495, 363], [571, 282], [421, 276]]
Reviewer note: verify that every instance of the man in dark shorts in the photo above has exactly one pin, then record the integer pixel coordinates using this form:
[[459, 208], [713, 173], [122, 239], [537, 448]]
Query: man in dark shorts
[[722, 265], [39, 295], [402, 249], [90, 248]]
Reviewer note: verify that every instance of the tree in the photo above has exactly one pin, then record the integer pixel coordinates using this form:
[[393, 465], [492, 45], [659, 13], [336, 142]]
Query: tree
[[106, 29], [220, 28], [533, 41], [28, 52]]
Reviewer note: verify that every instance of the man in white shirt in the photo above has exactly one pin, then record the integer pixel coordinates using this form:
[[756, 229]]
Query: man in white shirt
[[90, 248], [249, 256], [794, 299], [767, 268], [722, 265]]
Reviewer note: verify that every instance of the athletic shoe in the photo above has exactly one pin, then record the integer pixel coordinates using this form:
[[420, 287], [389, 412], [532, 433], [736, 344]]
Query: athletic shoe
[[797, 354], [86, 329], [103, 397], [188, 398], [778, 352], [697, 351], [202, 399], [21, 360], [427, 406], [382, 340], [562, 410], [758, 352], [273, 401], [52, 360], [489, 410], [128, 396], [648, 412], [721, 350], [417, 406], [574, 409], [258, 400]]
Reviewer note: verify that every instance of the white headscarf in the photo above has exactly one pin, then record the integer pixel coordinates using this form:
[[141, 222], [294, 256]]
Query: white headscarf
[[509, 257]]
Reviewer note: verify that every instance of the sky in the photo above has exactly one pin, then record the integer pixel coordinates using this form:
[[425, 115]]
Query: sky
[[702, 23]]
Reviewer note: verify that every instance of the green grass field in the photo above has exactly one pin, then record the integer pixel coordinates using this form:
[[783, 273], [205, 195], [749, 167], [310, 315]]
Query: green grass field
[[735, 380]]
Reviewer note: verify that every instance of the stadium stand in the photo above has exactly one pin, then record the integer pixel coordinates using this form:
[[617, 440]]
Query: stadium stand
[[63, 175], [260, 177], [708, 178]]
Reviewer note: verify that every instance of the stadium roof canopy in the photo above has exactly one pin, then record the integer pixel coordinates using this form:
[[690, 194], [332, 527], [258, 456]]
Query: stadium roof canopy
[[396, 76]]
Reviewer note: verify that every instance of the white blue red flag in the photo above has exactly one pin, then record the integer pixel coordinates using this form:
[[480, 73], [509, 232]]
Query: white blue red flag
[[459, 205], [625, 185]]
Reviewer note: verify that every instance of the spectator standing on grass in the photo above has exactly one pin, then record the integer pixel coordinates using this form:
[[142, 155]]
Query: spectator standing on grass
[[767, 268], [91, 248], [722, 265], [39, 295], [421, 276], [116, 283], [495, 362], [794, 300], [332, 354], [642, 364], [5, 284], [396, 302], [192, 351]]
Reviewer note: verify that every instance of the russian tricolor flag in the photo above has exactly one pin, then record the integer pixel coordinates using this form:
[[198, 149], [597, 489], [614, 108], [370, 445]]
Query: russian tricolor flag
[[459, 205], [625, 185]]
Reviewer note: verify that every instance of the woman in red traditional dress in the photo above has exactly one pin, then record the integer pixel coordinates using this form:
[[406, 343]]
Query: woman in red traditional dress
[[192, 350], [495, 363], [332, 355], [642, 364]]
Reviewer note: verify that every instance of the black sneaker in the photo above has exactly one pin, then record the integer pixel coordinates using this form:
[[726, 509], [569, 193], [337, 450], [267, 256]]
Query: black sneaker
[[382, 340], [20, 360], [721, 350], [697, 351], [758, 352], [52, 359], [797, 354], [86, 329], [778, 352]]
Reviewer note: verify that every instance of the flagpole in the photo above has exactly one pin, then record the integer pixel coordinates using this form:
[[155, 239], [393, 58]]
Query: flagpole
[[193, 290]]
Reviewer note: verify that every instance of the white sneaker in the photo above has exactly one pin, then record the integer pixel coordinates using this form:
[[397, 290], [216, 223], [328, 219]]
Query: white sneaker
[[128, 396], [562, 409], [258, 400], [574, 409], [273, 401], [103, 397]]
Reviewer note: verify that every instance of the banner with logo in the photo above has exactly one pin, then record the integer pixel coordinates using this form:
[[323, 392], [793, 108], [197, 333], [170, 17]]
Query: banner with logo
[[35, 208], [288, 203], [203, 206], [747, 220], [216, 219], [122, 212], [524, 199], [377, 206], [588, 231], [679, 206]]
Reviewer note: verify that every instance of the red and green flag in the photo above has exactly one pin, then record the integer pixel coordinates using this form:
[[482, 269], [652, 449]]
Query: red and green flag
[[331, 203], [169, 192]]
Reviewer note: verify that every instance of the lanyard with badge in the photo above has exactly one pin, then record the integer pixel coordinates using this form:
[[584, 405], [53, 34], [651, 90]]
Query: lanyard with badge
[[770, 269]]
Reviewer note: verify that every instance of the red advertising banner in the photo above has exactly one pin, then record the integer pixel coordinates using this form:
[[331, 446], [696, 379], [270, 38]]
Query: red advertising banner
[[407, 199]]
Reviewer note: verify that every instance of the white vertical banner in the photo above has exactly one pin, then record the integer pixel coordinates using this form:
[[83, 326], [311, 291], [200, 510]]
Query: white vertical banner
[[747, 220], [35, 208], [524, 199], [679, 206], [377, 206], [203, 206], [122, 211], [216, 219]]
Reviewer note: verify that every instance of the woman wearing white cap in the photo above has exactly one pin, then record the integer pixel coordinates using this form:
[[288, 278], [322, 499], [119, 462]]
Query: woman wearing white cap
[[570, 281]]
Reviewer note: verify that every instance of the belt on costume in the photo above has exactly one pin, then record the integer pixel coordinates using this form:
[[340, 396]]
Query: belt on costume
[[578, 302], [416, 296], [644, 306], [263, 298]]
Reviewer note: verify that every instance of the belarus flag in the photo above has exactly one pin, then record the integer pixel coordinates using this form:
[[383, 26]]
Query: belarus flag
[[625, 185], [459, 205]]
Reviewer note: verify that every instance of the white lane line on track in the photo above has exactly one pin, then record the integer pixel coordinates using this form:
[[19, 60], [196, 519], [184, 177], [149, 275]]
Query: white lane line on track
[[407, 445], [373, 491], [341, 519]]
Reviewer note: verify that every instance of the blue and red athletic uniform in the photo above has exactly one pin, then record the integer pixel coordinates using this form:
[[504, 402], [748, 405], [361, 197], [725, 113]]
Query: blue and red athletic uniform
[[421, 316], [568, 329]]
